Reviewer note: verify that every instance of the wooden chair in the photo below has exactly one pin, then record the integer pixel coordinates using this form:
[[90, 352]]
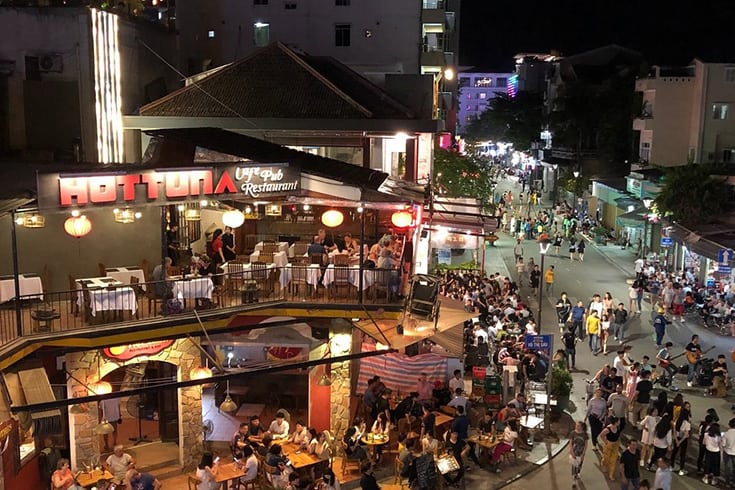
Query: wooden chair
[[513, 453], [193, 482], [265, 257], [257, 280], [299, 274], [102, 269], [173, 270], [341, 259], [348, 464], [235, 278], [316, 259], [341, 280], [299, 260], [270, 248], [73, 296], [269, 472], [381, 278], [146, 268], [245, 259], [139, 293], [249, 245], [300, 248]]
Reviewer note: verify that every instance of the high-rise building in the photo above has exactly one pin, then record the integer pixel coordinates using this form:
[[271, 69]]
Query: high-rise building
[[476, 90]]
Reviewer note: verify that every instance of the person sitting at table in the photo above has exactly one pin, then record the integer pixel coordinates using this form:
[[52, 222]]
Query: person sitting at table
[[276, 459], [63, 478], [352, 246], [368, 480], [267, 442], [318, 444], [301, 435], [279, 427], [329, 481], [510, 434], [250, 465], [381, 426], [325, 241], [486, 425], [429, 444], [505, 415], [118, 463], [255, 430], [207, 472], [458, 400], [521, 409], [162, 288], [239, 440], [298, 482], [353, 446], [136, 480]]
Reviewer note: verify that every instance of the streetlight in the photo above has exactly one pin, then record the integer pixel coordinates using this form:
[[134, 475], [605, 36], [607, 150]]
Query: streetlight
[[647, 202], [575, 173], [554, 197], [543, 246], [446, 75]]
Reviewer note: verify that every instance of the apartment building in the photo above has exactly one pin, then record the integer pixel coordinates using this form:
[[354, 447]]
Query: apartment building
[[476, 90], [687, 114]]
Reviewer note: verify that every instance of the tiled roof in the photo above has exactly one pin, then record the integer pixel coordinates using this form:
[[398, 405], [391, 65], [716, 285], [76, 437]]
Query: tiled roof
[[277, 82]]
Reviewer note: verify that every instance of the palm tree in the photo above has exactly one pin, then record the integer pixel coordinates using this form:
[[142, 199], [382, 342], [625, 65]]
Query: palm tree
[[693, 193]]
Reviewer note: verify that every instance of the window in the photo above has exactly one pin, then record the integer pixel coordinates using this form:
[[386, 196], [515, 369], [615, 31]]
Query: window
[[728, 155], [464, 82], [645, 151], [730, 74], [210, 34], [342, 34], [260, 2], [289, 5], [342, 3], [719, 110], [468, 107], [261, 34], [482, 95], [501, 82], [469, 95]]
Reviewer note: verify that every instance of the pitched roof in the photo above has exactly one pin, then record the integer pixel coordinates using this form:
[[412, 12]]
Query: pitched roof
[[277, 82]]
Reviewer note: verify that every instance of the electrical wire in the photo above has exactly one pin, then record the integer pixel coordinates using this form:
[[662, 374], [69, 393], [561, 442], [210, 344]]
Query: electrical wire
[[195, 84]]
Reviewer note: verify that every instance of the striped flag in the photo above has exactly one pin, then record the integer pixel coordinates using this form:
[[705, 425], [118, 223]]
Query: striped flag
[[400, 372]]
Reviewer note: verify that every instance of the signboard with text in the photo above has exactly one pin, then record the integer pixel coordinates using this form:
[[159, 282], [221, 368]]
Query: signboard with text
[[131, 351], [162, 186], [543, 343]]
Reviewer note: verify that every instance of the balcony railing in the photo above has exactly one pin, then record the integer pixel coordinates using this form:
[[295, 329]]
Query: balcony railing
[[119, 304]]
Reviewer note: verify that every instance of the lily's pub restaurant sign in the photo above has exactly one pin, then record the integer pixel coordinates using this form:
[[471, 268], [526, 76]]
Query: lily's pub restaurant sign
[[161, 186]]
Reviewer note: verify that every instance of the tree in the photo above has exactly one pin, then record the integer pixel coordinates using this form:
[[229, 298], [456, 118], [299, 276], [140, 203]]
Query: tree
[[517, 120], [457, 175], [693, 193]]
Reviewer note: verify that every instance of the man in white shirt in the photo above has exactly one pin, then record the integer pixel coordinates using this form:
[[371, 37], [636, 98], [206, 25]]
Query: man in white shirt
[[456, 382], [458, 400], [728, 454], [597, 305], [279, 427], [251, 465], [638, 266], [518, 250], [480, 332], [118, 463], [300, 435]]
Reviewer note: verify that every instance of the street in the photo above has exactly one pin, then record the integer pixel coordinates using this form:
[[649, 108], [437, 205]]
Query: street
[[605, 269]]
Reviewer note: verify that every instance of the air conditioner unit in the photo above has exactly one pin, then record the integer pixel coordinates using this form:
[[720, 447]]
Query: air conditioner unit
[[50, 62]]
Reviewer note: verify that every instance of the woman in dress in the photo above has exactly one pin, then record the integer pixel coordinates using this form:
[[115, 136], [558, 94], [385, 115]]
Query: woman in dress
[[682, 429], [577, 449], [608, 303], [712, 442], [207, 473], [510, 435], [604, 331], [662, 440], [648, 427]]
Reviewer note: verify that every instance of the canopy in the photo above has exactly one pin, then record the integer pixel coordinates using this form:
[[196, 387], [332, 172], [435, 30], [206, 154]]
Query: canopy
[[632, 219]]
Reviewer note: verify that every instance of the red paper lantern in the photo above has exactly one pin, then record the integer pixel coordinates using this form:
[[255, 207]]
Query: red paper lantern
[[77, 226], [401, 219]]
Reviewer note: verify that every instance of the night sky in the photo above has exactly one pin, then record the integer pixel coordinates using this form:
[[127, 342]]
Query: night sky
[[666, 32]]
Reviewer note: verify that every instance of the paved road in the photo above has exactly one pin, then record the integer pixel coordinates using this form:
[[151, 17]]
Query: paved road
[[606, 269]]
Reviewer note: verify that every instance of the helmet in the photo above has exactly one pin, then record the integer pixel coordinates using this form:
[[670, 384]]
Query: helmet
[[661, 310]]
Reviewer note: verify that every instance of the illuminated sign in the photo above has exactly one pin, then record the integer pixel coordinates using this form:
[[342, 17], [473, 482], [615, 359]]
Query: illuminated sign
[[130, 351], [251, 181]]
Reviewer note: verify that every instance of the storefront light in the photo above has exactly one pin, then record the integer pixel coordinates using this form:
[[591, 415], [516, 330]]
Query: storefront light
[[401, 219], [332, 218], [340, 344], [100, 388], [233, 218]]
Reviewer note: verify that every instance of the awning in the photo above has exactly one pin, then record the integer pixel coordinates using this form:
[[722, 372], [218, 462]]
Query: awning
[[626, 201], [30, 386], [695, 242], [633, 219]]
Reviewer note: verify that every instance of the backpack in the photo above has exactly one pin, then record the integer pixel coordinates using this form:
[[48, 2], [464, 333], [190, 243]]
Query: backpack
[[173, 306]]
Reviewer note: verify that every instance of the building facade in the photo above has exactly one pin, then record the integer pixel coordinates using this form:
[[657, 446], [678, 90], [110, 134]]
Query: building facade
[[686, 114], [475, 91]]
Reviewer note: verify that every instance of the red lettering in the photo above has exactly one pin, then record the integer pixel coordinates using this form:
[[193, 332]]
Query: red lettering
[[177, 184], [200, 182], [71, 188], [152, 180], [102, 189], [225, 184], [128, 184]]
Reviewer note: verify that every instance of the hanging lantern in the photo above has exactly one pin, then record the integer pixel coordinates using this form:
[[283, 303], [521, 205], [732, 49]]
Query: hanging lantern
[[332, 218], [200, 372], [77, 226], [233, 218], [401, 219], [100, 388]]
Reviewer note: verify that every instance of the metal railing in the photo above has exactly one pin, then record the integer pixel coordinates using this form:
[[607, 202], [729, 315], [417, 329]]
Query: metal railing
[[121, 304]]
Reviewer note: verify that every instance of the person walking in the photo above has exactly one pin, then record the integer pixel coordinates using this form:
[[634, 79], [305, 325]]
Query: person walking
[[620, 318], [728, 453], [521, 269], [662, 480], [518, 250], [535, 277], [712, 444], [557, 243], [662, 440], [610, 436], [577, 317], [592, 326], [570, 347], [580, 249], [659, 326], [572, 247], [596, 410], [577, 449], [563, 310], [549, 280], [630, 475]]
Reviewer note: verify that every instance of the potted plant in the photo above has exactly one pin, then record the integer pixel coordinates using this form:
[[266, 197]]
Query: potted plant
[[600, 233], [561, 387]]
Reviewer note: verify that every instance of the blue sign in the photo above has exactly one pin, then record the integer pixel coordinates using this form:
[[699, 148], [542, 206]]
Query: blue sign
[[723, 269], [666, 241], [725, 255], [542, 343]]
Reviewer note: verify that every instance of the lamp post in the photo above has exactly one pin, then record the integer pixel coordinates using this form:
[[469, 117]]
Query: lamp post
[[448, 75], [543, 246], [645, 243], [554, 197]]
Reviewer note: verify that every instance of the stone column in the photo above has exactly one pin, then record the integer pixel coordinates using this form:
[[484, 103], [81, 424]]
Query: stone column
[[83, 367], [340, 398]]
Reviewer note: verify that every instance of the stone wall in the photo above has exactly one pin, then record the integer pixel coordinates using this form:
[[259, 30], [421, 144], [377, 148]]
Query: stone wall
[[88, 367], [340, 398]]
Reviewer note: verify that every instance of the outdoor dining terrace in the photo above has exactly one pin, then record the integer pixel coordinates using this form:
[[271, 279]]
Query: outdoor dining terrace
[[121, 297]]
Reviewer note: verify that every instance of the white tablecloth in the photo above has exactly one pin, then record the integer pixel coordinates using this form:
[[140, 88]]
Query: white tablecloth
[[313, 273], [282, 246], [29, 286], [354, 276], [94, 283], [280, 259], [112, 299], [123, 274], [200, 287]]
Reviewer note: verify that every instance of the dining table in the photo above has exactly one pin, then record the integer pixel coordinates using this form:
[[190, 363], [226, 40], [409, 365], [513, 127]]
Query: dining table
[[374, 441], [368, 276], [441, 419], [89, 479], [30, 287], [313, 273], [106, 294], [123, 274], [485, 441], [282, 246], [299, 457], [279, 258], [226, 472], [192, 287]]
